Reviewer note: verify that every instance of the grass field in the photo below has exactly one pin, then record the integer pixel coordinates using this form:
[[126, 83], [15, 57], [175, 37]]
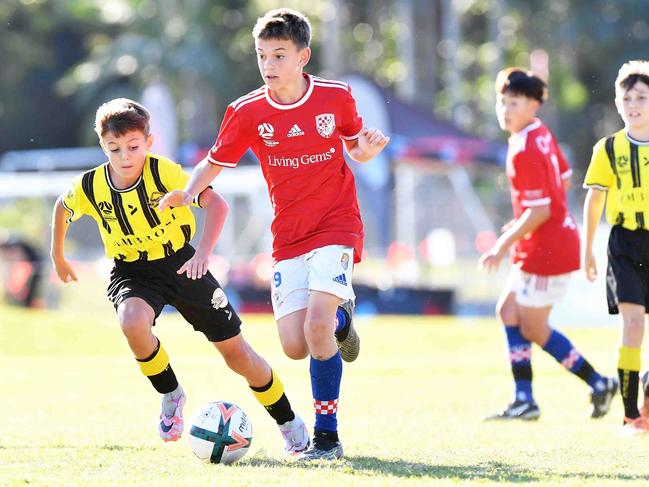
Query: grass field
[[77, 411]]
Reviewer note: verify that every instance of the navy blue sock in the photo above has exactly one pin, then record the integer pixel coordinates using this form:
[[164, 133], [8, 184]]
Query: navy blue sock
[[341, 319], [325, 385], [520, 358], [567, 355]]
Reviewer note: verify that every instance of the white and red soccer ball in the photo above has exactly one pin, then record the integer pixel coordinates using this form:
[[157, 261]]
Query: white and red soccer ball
[[220, 432]]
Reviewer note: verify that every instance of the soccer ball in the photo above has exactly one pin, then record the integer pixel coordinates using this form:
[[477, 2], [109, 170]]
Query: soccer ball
[[220, 433]]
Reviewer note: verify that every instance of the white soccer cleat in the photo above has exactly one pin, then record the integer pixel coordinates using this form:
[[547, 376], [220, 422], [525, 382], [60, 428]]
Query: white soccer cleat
[[171, 427], [296, 436]]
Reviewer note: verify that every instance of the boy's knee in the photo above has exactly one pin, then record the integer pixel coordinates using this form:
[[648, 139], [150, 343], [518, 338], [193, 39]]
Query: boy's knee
[[294, 349], [134, 324]]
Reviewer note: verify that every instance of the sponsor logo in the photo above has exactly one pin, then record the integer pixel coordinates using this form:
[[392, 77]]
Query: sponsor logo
[[325, 123], [344, 261], [132, 209], [165, 428], [304, 159], [295, 131], [341, 279], [266, 131]]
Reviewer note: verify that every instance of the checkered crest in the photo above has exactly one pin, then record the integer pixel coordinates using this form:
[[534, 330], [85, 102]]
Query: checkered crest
[[325, 123]]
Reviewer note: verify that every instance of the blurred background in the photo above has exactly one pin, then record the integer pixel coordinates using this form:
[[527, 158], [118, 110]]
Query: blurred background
[[421, 70]]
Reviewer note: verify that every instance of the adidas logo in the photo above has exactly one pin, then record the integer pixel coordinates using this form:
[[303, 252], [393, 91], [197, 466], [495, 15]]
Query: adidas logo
[[295, 131], [341, 279]]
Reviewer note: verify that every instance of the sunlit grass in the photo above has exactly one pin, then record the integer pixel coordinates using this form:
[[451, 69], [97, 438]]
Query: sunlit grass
[[78, 411]]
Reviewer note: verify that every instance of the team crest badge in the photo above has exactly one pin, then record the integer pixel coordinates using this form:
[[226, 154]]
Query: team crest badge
[[219, 299], [155, 198], [344, 261], [325, 123]]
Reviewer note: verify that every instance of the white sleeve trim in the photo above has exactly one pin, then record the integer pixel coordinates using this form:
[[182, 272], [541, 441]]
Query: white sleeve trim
[[68, 219], [220, 163], [534, 203], [197, 198], [353, 136], [566, 174], [596, 186]]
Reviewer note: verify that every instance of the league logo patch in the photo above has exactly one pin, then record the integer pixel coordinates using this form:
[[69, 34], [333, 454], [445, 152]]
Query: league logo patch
[[325, 123], [107, 210], [344, 261], [266, 132]]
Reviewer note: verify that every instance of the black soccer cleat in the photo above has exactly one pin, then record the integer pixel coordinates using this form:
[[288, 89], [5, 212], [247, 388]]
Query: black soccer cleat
[[601, 401], [520, 410], [322, 449]]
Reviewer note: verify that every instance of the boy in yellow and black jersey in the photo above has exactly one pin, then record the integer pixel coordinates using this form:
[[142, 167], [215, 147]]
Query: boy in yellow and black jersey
[[618, 178], [155, 265], [128, 222]]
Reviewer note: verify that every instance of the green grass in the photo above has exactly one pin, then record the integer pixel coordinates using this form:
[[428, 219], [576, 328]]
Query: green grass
[[77, 411]]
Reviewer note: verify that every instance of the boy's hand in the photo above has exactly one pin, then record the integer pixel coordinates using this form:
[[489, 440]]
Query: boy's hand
[[372, 141], [590, 266], [490, 260], [196, 267], [175, 198], [64, 270]]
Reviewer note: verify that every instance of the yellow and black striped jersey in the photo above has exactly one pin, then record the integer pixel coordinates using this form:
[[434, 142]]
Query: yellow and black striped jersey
[[129, 222], [620, 165]]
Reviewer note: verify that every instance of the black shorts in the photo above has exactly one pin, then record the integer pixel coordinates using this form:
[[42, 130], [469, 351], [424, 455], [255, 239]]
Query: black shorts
[[201, 302], [627, 275]]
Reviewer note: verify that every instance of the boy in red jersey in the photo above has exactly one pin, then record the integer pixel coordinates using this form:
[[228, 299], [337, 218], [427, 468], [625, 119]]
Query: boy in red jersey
[[546, 246], [297, 124]]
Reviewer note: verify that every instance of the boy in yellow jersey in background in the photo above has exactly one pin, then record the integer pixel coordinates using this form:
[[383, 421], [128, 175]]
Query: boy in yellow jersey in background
[[155, 265], [618, 177]]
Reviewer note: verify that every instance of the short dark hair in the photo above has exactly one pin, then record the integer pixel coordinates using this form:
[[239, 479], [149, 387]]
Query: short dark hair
[[120, 116], [518, 81], [630, 73], [284, 23]]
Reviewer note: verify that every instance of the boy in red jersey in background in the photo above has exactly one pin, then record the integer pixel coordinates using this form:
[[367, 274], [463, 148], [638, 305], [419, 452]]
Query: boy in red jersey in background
[[546, 246], [297, 124]]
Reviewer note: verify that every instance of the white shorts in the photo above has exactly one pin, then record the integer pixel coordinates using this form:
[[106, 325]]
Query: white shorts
[[535, 291], [327, 269]]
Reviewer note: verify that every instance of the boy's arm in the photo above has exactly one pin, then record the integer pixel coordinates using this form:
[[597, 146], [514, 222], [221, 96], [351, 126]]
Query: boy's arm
[[59, 229], [593, 207], [216, 209], [200, 179], [530, 220], [369, 144]]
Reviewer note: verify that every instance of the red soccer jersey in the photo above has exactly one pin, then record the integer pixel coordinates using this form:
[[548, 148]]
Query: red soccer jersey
[[536, 169], [300, 150]]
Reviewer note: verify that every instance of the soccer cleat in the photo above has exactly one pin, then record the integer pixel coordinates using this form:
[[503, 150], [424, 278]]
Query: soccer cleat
[[521, 410], [636, 426], [296, 436], [322, 449], [348, 341], [601, 401], [171, 428]]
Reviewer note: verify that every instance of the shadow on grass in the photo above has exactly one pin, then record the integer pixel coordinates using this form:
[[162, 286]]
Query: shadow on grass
[[494, 471]]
